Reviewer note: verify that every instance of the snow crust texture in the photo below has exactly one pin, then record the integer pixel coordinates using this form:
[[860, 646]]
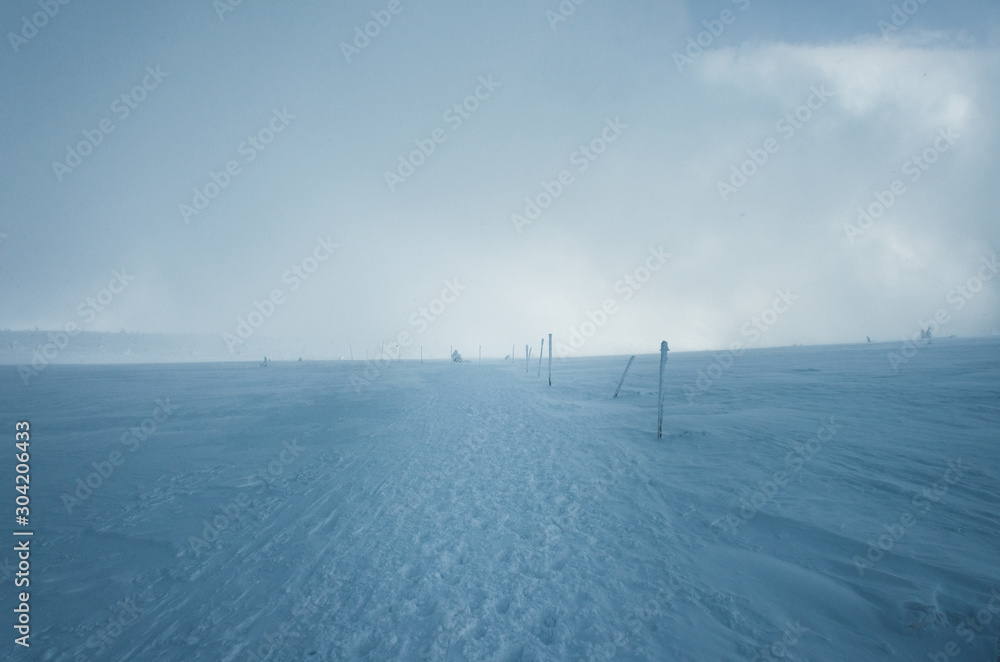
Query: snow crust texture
[[811, 504]]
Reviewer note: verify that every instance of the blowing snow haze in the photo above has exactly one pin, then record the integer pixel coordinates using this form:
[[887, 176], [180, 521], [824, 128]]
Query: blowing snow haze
[[795, 202], [325, 178]]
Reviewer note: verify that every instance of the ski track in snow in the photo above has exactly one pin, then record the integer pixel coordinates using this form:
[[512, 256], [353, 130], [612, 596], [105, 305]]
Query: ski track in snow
[[463, 512]]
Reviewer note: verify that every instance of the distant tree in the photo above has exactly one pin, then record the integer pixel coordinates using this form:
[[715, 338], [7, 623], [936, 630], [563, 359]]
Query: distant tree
[[456, 357]]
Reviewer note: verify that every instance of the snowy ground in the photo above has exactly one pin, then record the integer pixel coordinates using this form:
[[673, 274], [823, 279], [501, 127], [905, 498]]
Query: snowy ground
[[466, 512]]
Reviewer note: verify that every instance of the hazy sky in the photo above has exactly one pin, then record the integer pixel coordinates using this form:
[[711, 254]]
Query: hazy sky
[[646, 130]]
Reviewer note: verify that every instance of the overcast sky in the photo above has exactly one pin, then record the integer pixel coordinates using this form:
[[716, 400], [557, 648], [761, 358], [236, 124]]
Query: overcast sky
[[120, 120]]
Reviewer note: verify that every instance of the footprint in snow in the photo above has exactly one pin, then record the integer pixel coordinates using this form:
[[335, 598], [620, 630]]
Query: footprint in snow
[[920, 616], [547, 629]]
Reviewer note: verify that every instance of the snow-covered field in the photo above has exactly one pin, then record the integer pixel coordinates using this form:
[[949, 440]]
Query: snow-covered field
[[808, 504]]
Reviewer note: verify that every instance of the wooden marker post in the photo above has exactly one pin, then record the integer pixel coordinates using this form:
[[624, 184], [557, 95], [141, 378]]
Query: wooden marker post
[[622, 380], [663, 364], [540, 352], [550, 359]]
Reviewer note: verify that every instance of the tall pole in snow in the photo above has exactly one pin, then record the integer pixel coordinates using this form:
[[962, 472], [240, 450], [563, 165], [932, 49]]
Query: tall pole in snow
[[540, 352], [622, 380], [550, 359], [663, 364]]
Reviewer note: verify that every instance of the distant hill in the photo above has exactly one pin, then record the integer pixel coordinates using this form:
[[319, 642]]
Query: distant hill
[[20, 348]]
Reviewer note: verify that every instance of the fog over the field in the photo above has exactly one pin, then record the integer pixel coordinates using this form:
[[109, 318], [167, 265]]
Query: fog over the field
[[206, 157]]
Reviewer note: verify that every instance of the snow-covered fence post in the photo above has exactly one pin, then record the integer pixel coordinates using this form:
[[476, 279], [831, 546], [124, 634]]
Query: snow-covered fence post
[[622, 380], [663, 364], [550, 359], [540, 352]]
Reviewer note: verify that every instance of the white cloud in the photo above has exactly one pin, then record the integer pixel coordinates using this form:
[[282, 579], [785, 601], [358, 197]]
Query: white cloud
[[930, 84]]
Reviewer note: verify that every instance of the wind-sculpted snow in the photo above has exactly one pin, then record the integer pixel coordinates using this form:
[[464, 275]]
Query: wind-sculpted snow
[[814, 504]]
